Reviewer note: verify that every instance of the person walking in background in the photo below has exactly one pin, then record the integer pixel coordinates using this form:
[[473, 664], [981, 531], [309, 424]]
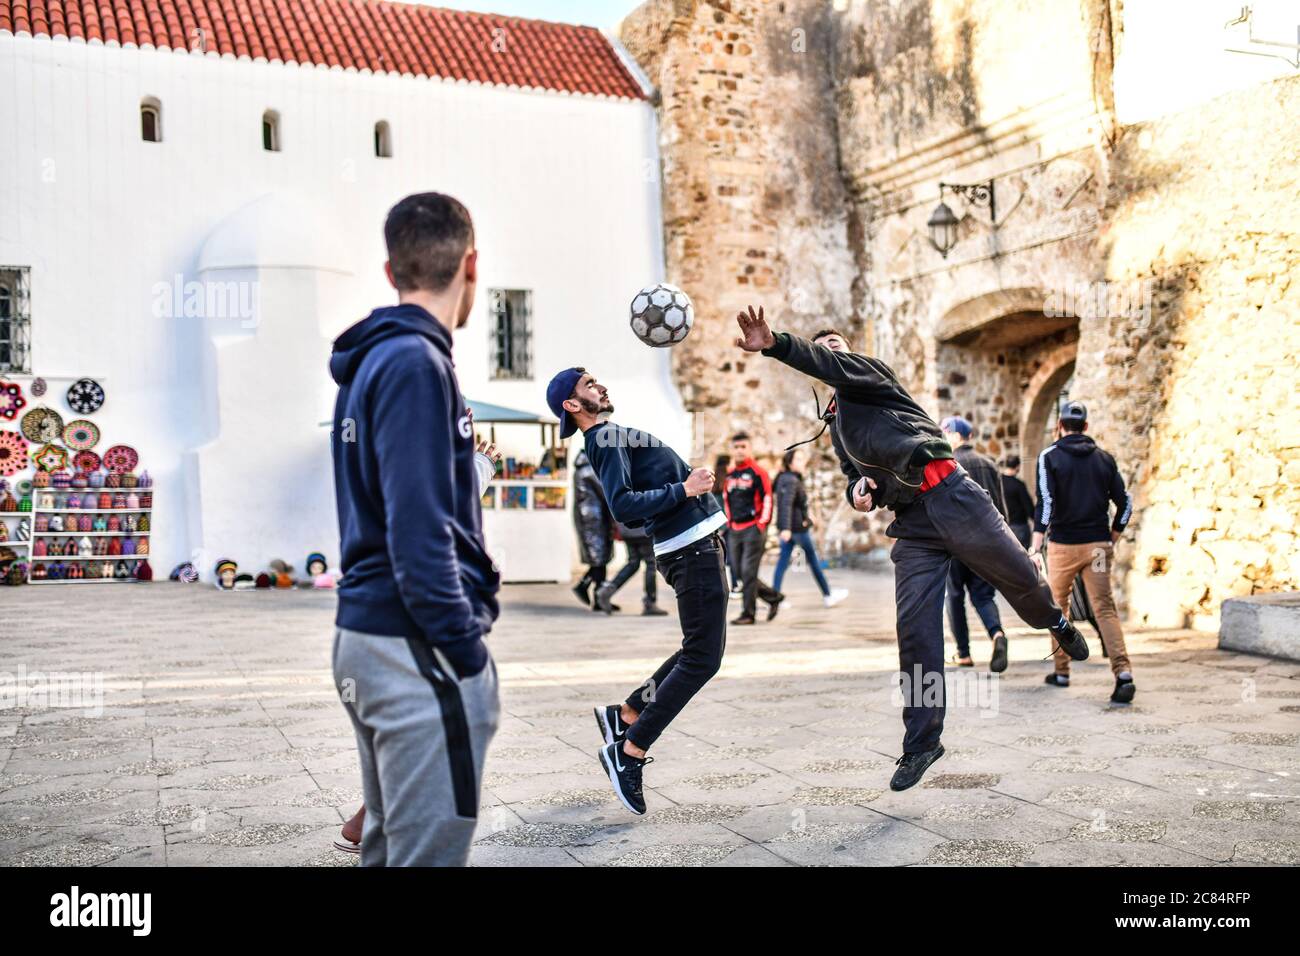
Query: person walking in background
[[748, 502], [1077, 483], [595, 528], [419, 591], [793, 523], [720, 466], [1020, 504], [962, 579], [640, 551]]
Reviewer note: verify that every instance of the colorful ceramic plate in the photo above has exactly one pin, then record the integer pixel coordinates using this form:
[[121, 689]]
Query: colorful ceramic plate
[[85, 396], [11, 400], [25, 488], [13, 453], [42, 425], [86, 461], [81, 434], [38, 387], [121, 459]]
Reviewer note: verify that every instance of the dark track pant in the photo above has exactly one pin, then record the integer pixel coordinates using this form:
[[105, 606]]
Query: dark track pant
[[698, 576], [954, 520], [639, 553], [960, 580], [747, 548]]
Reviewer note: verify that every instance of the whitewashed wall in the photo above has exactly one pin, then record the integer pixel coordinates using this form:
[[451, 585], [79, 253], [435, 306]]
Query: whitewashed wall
[[564, 192]]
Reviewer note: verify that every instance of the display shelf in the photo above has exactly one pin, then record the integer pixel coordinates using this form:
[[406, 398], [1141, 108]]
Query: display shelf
[[81, 581], [89, 511], [90, 557], [90, 534]]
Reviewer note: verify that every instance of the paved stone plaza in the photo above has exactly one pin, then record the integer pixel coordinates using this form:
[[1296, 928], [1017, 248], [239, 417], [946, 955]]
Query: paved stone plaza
[[221, 742]]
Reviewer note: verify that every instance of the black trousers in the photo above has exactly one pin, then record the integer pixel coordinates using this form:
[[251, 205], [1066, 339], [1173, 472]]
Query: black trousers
[[639, 552], [962, 579], [747, 552], [698, 576], [1023, 533], [953, 520]]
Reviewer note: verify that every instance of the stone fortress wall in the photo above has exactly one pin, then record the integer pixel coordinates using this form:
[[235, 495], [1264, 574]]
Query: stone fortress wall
[[1147, 263]]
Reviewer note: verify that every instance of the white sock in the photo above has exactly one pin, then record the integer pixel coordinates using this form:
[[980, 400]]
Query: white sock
[[1124, 675]]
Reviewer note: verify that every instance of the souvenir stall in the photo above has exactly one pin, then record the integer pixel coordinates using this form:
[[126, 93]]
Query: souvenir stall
[[526, 517], [73, 508]]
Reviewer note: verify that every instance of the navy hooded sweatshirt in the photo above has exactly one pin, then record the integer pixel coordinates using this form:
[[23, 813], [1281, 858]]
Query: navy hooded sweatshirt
[[413, 558]]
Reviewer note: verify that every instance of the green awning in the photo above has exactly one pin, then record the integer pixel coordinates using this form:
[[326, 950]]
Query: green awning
[[486, 413]]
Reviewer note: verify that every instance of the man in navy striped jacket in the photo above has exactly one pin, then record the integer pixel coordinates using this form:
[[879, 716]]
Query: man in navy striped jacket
[[1077, 483]]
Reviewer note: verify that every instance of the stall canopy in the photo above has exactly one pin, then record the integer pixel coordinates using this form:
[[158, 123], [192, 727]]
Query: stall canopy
[[486, 413]]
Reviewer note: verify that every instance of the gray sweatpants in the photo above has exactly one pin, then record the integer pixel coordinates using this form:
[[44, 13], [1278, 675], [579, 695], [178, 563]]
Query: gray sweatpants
[[422, 735]]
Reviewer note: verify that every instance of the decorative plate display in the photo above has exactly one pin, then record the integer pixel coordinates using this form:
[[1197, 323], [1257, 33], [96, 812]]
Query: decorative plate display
[[85, 396], [24, 488], [38, 387], [120, 459], [11, 400], [86, 461], [13, 453], [42, 425], [51, 458], [81, 434]]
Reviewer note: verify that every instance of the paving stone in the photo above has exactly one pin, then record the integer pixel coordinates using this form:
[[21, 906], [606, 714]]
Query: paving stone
[[960, 781], [980, 853]]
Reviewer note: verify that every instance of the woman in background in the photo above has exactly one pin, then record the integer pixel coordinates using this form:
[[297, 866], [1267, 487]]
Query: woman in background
[[793, 522], [595, 527]]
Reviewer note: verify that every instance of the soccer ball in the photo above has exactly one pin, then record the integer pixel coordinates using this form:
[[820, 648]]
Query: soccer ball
[[662, 315]]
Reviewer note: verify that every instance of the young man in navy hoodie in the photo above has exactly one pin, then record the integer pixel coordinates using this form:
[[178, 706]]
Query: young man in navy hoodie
[[648, 485], [418, 594]]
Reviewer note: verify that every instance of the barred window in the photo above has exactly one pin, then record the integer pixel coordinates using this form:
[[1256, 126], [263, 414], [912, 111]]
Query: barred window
[[510, 327], [15, 319]]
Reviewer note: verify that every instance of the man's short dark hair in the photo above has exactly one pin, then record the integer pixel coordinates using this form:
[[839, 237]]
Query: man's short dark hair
[[1011, 461], [1073, 425], [740, 436], [829, 331], [427, 235]]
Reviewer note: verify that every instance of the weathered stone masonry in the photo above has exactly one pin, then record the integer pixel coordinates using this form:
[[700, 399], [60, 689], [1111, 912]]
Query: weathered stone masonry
[[1153, 270]]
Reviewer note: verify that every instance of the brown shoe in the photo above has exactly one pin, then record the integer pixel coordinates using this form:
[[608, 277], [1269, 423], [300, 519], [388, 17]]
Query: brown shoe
[[743, 619]]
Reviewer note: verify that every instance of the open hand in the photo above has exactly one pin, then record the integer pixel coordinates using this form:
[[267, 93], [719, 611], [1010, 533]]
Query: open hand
[[490, 450], [699, 482], [755, 335]]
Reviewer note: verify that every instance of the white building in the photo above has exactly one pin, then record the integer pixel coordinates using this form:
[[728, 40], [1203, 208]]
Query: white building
[[190, 214]]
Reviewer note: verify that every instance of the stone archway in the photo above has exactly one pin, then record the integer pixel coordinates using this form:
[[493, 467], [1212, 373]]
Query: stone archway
[[998, 358], [1041, 395]]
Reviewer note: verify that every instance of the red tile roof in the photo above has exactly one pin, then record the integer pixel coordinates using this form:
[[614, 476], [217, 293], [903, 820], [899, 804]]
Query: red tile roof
[[365, 34]]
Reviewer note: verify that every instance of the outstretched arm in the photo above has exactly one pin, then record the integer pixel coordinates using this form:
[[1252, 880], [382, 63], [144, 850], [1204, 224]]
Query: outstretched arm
[[837, 369]]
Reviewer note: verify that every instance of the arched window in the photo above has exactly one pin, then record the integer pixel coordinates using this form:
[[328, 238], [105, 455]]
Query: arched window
[[271, 131], [383, 139], [150, 120]]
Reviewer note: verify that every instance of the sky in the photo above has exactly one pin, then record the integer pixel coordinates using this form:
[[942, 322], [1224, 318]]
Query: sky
[[604, 14]]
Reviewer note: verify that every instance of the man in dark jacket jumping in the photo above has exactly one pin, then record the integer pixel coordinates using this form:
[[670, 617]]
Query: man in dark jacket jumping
[[419, 590], [894, 456]]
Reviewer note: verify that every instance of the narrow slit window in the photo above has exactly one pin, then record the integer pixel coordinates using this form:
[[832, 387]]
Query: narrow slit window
[[271, 131], [383, 140], [151, 120]]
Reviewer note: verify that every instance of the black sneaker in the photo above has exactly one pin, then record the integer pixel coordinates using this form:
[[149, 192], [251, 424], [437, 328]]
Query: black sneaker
[[625, 774], [1057, 680], [1123, 692], [602, 599], [580, 591], [610, 721], [1071, 641], [653, 610], [911, 767], [998, 662], [774, 605]]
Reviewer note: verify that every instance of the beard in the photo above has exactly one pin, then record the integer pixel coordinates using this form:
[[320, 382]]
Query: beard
[[603, 407]]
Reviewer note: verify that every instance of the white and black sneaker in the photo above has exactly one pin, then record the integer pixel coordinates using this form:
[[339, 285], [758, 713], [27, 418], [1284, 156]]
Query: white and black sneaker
[[610, 721], [625, 775]]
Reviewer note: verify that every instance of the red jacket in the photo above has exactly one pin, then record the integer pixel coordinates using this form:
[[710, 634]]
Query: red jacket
[[747, 496]]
